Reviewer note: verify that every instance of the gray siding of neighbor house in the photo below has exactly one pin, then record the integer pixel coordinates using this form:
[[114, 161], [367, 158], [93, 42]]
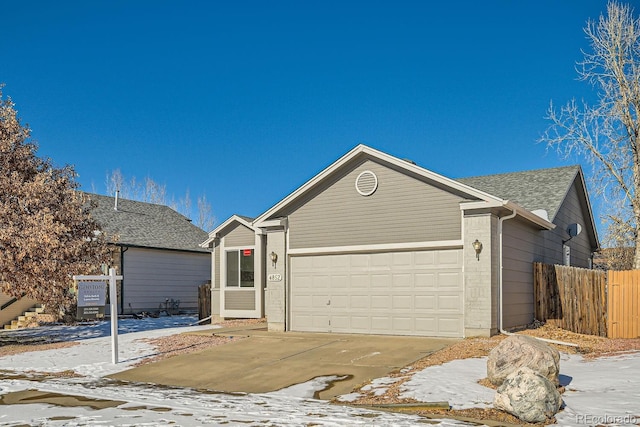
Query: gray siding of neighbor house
[[153, 275], [240, 236], [402, 210], [569, 212], [523, 245]]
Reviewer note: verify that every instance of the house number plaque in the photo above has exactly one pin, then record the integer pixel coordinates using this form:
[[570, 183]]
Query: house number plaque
[[274, 277]]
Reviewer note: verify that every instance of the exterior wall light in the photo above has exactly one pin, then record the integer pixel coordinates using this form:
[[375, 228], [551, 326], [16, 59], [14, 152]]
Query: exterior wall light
[[274, 258], [477, 246]]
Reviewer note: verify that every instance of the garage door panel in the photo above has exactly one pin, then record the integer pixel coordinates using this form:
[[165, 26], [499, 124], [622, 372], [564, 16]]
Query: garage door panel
[[359, 323], [380, 302], [360, 280], [403, 325], [381, 323], [402, 302], [425, 259], [402, 259], [406, 293], [381, 260], [425, 302], [358, 260], [380, 280], [449, 258], [427, 324], [450, 280], [402, 280], [360, 301], [450, 302], [426, 280], [339, 302]]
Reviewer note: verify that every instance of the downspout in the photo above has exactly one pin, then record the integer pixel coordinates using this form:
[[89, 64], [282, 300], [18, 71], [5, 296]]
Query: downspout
[[500, 284]]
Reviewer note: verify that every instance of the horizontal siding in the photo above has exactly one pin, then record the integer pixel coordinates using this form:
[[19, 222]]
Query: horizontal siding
[[522, 245], [152, 276], [240, 236], [570, 212], [402, 210], [239, 299]]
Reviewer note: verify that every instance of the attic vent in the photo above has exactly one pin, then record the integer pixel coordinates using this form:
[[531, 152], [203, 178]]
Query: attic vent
[[366, 183]]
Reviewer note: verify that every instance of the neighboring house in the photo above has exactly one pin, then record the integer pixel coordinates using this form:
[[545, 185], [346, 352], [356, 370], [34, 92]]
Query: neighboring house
[[378, 245], [156, 251]]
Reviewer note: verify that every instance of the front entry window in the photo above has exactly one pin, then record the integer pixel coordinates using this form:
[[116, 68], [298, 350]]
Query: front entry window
[[240, 268]]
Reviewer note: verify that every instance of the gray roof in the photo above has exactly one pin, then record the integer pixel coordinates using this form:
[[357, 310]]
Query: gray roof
[[146, 225], [536, 189]]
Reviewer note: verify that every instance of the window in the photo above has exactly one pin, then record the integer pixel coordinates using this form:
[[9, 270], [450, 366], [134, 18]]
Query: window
[[240, 268]]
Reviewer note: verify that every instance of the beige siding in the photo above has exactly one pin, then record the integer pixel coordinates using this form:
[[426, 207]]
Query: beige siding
[[523, 244], [240, 236], [402, 210], [239, 299], [570, 212], [151, 276]]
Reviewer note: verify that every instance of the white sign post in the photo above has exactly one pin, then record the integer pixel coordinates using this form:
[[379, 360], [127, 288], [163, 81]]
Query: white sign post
[[113, 301]]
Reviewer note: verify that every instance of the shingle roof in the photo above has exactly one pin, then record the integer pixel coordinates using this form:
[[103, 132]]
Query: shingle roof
[[146, 224], [536, 189]]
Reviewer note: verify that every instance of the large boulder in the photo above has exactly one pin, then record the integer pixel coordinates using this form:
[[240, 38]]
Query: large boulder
[[529, 396], [518, 351]]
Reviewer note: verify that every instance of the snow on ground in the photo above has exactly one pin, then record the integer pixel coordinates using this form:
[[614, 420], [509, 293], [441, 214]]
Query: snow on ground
[[605, 391]]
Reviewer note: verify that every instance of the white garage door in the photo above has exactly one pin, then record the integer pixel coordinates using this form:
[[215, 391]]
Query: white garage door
[[398, 293]]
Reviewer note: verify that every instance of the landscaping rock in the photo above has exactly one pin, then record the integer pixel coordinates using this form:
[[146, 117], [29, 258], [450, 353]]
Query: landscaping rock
[[522, 351], [529, 396]]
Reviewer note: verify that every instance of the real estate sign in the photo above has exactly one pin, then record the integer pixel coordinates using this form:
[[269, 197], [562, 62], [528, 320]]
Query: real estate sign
[[91, 299]]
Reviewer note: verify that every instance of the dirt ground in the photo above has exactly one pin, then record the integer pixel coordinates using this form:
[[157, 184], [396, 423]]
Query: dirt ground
[[587, 345]]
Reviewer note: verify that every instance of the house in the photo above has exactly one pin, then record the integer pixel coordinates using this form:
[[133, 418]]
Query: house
[[157, 252], [374, 244]]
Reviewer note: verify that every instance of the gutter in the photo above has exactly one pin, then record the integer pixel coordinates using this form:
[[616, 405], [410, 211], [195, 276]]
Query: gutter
[[500, 280]]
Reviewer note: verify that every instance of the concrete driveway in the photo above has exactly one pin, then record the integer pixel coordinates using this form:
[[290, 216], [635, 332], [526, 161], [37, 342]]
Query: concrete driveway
[[268, 361]]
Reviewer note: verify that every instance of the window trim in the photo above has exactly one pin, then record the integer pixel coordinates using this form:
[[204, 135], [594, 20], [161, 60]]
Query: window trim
[[238, 249]]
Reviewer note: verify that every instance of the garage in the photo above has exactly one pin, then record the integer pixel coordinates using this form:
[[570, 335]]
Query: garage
[[394, 293]]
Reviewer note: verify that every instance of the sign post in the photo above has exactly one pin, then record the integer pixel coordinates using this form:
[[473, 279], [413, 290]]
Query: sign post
[[91, 296], [113, 299]]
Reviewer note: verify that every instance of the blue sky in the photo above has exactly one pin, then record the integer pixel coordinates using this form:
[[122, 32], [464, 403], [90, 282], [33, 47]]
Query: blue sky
[[244, 101]]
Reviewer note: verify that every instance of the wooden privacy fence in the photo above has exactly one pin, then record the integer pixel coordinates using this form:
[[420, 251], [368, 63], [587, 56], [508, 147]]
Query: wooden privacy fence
[[571, 298], [204, 301], [593, 302], [624, 304]]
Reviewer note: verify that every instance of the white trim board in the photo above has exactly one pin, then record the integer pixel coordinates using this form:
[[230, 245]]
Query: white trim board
[[386, 247]]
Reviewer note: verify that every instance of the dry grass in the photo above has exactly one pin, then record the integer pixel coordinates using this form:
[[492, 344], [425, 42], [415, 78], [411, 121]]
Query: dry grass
[[175, 345], [11, 349]]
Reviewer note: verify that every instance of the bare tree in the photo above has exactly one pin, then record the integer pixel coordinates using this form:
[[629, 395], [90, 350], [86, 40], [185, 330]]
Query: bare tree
[[46, 232], [607, 133], [151, 192], [206, 220]]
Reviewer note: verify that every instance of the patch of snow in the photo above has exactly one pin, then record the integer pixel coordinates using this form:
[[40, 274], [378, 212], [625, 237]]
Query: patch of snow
[[379, 386], [307, 389], [455, 382]]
